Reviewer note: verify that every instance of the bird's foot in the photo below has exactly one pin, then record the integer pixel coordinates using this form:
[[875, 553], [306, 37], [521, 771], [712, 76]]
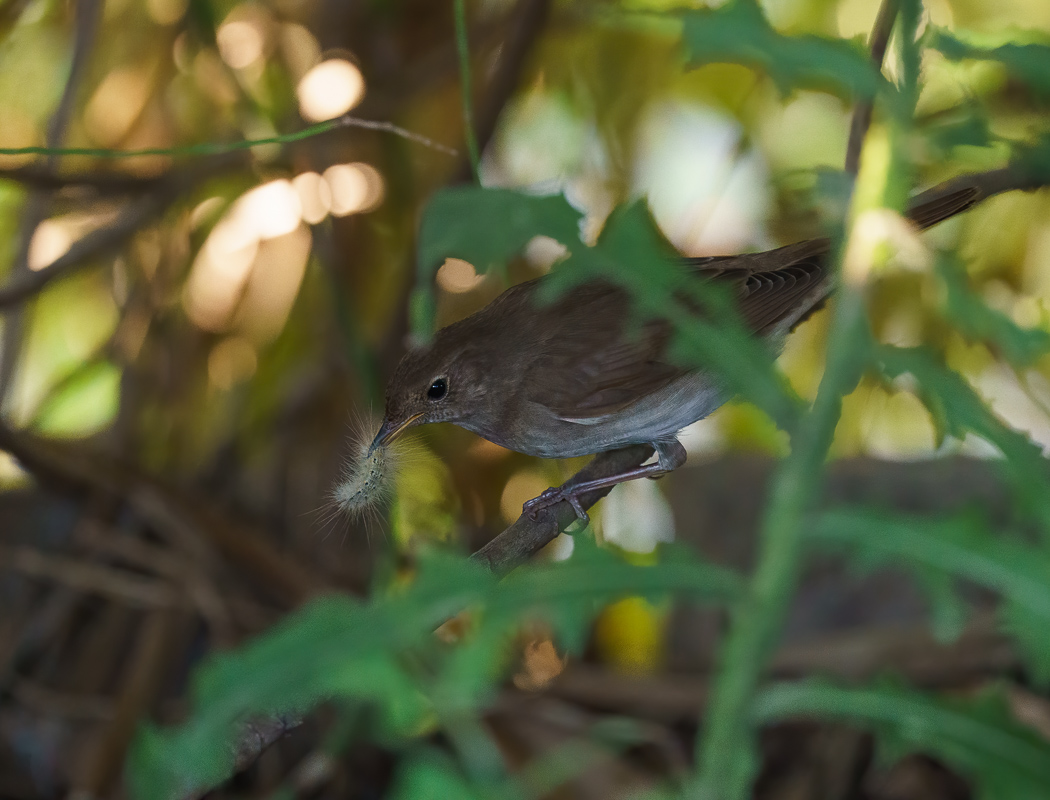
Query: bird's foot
[[552, 497]]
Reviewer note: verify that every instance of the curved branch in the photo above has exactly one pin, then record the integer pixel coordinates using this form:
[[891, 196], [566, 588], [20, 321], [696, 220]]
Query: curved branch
[[136, 214]]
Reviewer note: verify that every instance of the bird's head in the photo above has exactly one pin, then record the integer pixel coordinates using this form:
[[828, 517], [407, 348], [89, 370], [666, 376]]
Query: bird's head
[[440, 382]]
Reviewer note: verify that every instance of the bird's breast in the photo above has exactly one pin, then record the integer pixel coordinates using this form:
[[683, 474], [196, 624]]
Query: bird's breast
[[536, 430]]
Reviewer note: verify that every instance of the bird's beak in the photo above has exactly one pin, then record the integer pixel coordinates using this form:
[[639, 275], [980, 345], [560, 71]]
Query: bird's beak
[[389, 431]]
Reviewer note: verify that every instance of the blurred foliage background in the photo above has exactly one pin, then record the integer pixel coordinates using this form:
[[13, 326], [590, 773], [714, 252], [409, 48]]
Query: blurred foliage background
[[192, 344]]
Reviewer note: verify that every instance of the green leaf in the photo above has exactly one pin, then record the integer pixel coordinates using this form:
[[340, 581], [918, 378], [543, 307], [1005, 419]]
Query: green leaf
[[709, 333], [977, 737], [955, 404], [738, 32], [384, 654], [1028, 63], [966, 126], [432, 776], [957, 547], [975, 320], [487, 227]]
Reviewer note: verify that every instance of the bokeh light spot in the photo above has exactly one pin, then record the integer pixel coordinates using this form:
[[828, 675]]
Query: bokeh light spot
[[331, 88], [522, 486], [50, 241], [166, 12], [457, 276], [355, 188], [315, 196], [240, 43]]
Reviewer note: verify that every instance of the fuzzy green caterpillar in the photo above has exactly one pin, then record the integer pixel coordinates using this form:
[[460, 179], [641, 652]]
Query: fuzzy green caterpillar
[[366, 482]]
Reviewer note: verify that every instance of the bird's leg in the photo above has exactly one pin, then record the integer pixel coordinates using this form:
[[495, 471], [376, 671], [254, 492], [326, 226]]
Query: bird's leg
[[669, 456]]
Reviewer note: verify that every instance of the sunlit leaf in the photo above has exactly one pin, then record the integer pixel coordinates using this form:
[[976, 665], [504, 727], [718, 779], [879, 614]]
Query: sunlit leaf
[[738, 32], [978, 737], [86, 404]]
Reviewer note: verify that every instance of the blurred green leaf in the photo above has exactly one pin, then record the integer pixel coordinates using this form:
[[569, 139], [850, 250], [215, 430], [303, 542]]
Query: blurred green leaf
[[86, 404], [487, 227], [341, 648], [1028, 63], [738, 32], [469, 223], [431, 776], [955, 405], [966, 126], [951, 548], [978, 737], [975, 320]]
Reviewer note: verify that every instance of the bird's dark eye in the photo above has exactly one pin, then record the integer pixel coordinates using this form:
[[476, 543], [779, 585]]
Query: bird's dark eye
[[437, 389]]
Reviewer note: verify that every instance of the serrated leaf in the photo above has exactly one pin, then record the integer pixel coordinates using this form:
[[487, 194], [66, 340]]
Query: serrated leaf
[[954, 403], [489, 226], [960, 547], [1028, 63], [739, 33], [966, 127], [337, 647], [632, 253], [977, 737], [975, 320]]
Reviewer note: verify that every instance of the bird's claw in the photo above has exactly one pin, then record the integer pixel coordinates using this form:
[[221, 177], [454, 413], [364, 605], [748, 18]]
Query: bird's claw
[[551, 497]]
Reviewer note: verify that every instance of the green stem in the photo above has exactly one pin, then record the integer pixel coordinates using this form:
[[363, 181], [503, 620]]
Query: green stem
[[466, 91], [215, 148], [724, 751]]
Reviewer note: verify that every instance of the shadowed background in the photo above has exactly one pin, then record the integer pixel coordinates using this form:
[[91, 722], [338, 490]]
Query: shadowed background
[[189, 345]]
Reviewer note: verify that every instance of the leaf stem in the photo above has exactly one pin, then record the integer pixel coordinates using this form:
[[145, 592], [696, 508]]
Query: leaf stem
[[466, 87], [725, 751], [215, 148]]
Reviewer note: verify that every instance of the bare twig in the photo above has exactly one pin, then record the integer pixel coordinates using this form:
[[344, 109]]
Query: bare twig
[[75, 472], [140, 685], [36, 208], [878, 42], [523, 29], [95, 578], [526, 537], [912, 652], [134, 217]]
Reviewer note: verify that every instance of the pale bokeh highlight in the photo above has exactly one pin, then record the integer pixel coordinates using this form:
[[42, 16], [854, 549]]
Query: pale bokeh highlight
[[457, 276], [240, 42], [330, 89], [355, 188], [315, 196], [224, 263]]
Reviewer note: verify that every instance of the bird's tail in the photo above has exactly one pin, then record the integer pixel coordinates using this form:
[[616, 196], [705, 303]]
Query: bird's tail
[[953, 197]]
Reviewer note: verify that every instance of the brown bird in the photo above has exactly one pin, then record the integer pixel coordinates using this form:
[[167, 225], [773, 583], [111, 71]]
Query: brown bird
[[571, 379]]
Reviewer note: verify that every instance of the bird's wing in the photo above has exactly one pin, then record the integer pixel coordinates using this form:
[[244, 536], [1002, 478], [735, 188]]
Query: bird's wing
[[602, 369], [777, 289], [598, 369]]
